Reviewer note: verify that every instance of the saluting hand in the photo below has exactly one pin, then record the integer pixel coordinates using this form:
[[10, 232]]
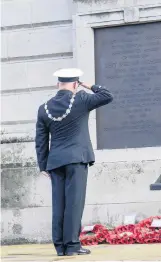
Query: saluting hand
[[85, 85]]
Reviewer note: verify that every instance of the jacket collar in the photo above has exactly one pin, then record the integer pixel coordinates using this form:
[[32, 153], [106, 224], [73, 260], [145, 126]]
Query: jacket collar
[[63, 92]]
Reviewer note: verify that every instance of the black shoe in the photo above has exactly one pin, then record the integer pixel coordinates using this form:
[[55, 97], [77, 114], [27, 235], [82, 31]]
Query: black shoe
[[81, 251], [60, 254]]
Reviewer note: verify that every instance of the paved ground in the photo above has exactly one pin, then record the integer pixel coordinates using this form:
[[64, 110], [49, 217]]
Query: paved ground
[[46, 253]]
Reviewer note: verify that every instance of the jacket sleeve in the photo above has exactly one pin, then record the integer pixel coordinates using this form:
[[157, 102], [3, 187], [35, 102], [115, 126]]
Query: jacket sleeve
[[41, 142], [100, 97]]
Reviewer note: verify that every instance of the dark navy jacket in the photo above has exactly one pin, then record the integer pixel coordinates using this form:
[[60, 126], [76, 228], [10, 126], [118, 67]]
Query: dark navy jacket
[[70, 140]]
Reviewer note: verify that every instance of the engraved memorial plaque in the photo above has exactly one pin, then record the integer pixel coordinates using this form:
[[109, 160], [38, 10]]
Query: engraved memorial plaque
[[128, 63]]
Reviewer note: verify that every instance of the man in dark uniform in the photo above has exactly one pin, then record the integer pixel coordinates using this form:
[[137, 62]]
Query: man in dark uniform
[[65, 118]]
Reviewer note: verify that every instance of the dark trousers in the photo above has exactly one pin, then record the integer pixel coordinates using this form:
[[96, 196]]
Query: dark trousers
[[68, 199]]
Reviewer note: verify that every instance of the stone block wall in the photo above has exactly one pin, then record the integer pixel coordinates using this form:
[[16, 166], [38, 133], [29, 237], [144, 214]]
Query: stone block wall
[[36, 41]]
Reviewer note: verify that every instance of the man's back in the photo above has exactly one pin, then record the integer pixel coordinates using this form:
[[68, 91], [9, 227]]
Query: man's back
[[65, 119], [70, 139]]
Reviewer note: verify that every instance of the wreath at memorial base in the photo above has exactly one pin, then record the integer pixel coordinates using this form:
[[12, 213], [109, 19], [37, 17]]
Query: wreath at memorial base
[[141, 233]]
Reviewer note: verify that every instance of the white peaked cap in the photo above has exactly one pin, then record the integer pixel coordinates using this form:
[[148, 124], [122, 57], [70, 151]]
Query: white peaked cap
[[68, 73]]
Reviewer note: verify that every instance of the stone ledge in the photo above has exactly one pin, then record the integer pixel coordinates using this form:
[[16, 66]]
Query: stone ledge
[[18, 165], [13, 140]]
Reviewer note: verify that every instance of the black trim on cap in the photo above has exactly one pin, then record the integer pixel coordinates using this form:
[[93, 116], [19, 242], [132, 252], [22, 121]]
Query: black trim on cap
[[68, 79]]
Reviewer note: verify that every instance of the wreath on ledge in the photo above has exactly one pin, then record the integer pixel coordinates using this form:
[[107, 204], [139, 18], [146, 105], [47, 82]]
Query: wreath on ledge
[[142, 233]]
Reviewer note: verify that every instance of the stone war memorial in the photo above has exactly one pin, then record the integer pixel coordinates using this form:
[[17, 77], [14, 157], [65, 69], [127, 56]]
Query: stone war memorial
[[129, 60], [118, 45]]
